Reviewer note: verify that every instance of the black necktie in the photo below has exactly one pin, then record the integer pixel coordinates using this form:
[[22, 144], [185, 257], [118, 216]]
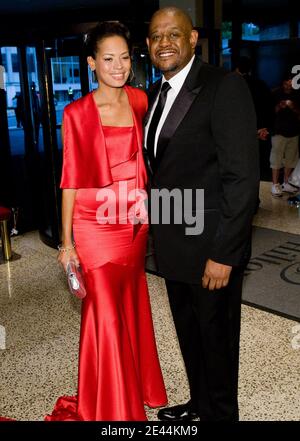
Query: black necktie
[[155, 120]]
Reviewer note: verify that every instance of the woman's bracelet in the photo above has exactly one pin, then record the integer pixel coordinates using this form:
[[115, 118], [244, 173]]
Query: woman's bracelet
[[65, 249]]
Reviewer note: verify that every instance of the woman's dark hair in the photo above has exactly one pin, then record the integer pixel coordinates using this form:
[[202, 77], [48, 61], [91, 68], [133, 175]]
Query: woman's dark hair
[[104, 30]]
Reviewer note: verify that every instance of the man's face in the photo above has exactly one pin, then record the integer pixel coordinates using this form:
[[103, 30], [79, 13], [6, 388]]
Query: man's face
[[171, 42]]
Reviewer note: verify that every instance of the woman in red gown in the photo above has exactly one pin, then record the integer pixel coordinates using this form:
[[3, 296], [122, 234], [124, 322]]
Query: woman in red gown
[[103, 182]]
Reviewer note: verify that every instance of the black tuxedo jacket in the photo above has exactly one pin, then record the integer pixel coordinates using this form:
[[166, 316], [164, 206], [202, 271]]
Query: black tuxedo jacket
[[208, 142]]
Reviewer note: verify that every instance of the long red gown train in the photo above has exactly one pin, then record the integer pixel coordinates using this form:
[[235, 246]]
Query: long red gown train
[[119, 369]]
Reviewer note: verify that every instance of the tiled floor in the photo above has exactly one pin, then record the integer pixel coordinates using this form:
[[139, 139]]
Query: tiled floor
[[39, 330]]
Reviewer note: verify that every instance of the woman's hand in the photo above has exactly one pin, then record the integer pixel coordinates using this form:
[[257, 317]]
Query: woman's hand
[[65, 256]]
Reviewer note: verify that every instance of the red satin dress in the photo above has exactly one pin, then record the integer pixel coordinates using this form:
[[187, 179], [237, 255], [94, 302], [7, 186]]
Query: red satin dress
[[119, 370]]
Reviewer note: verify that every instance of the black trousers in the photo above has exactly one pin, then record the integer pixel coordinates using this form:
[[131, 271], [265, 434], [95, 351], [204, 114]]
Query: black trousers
[[208, 330]]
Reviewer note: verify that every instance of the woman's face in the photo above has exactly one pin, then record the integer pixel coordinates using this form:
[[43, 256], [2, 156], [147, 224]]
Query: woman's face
[[112, 62]]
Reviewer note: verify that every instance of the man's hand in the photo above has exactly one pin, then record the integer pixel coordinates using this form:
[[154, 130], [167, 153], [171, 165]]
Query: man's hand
[[262, 134], [216, 275]]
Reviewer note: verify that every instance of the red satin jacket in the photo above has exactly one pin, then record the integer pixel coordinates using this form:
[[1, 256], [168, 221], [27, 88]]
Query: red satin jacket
[[85, 161]]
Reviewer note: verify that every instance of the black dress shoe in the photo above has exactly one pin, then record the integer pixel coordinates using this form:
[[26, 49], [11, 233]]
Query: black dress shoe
[[182, 412]]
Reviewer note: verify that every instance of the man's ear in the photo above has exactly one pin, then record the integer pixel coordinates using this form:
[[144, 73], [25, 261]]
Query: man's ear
[[194, 38], [148, 42]]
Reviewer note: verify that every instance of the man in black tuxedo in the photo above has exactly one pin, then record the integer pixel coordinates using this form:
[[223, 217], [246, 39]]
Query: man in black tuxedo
[[200, 133]]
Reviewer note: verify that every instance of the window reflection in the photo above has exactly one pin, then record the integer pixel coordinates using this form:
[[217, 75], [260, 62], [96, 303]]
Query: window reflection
[[14, 99], [250, 31], [226, 42], [35, 98], [66, 83]]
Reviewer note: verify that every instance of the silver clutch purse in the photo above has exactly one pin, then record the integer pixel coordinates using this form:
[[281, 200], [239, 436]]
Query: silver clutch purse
[[75, 280]]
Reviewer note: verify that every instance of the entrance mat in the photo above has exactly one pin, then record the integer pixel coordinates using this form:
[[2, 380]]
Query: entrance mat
[[272, 277]]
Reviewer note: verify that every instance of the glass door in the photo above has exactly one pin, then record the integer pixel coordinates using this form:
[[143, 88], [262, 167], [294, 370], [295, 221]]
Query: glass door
[[14, 99], [62, 74], [20, 143], [65, 72]]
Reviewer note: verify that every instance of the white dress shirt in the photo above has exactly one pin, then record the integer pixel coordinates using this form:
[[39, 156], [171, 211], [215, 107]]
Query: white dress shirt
[[176, 84]]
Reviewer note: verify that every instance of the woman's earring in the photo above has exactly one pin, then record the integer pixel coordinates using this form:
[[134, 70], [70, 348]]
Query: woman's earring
[[94, 74], [131, 76]]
